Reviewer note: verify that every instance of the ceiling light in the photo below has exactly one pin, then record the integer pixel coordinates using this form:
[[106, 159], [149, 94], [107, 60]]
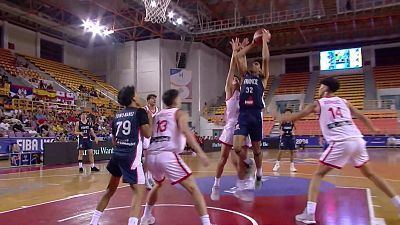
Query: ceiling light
[[179, 20], [171, 14]]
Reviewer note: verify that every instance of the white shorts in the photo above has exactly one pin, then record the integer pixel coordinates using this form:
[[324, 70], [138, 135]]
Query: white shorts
[[146, 143], [167, 165], [353, 150], [226, 137]]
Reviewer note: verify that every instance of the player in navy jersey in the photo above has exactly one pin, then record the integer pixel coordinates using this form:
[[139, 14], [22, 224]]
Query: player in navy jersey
[[287, 142], [128, 126], [85, 132], [250, 119]]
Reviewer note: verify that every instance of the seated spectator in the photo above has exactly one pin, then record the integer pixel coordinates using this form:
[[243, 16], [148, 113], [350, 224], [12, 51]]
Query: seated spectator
[[4, 126], [17, 127]]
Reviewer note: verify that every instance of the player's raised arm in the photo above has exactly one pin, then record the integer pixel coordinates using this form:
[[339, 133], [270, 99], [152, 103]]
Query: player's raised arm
[[242, 60], [266, 36], [241, 54], [362, 117], [303, 113], [229, 79], [183, 119]]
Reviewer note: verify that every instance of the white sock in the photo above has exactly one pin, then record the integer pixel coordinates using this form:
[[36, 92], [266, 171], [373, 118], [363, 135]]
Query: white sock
[[205, 220], [80, 164], [259, 172], [292, 164], [92, 165], [217, 182], [311, 207], [133, 221], [396, 201], [147, 210], [96, 217], [277, 162]]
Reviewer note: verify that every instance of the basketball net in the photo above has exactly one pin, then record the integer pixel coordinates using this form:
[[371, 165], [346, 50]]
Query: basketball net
[[155, 10]]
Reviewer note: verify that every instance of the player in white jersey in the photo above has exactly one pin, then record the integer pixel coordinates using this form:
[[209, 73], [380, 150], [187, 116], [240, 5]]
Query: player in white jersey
[[153, 109], [232, 92], [170, 133], [346, 143]]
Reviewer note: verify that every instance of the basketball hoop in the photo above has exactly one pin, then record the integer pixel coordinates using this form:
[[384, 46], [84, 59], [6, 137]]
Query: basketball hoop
[[155, 10]]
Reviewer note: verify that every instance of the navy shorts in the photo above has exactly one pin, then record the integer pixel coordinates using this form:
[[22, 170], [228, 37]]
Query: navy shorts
[[85, 144], [120, 165], [287, 143], [250, 123]]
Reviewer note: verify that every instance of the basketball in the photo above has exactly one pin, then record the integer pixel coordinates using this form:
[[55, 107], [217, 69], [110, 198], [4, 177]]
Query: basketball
[[258, 36]]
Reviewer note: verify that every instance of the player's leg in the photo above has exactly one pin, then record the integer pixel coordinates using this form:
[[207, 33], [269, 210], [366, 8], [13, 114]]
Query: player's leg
[[225, 150], [292, 152], [256, 135], [241, 152], [116, 174], [80, 160], [360, 161], [136, 205], [154, 165], [199, 203], [93, 168], [257, 152], [152, 198], [278, 159], [308, 215]]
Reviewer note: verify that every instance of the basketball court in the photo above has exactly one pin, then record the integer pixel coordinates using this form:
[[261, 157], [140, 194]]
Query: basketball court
[[62, 196], [87, 50]]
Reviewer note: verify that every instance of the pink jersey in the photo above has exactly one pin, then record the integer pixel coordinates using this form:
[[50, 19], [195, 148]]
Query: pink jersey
[[336, 121], [232, 109], [166, 135]]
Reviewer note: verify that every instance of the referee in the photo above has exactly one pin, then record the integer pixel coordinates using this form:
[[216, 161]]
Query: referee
[[287, 142]]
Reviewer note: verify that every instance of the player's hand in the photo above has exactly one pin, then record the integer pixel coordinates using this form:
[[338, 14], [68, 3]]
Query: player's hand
[[266, 36], [244, 43], [204, 159], [235, 44], [96, 140]]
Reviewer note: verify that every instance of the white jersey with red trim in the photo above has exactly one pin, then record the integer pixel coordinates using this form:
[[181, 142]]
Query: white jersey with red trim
[[166, 135], [232, 109], [153, 113], [336, 121]]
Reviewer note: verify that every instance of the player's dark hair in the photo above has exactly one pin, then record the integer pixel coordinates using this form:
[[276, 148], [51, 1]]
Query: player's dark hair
[[170, 96], [125, 95], [150, 96], [289, 110], [332, 84]]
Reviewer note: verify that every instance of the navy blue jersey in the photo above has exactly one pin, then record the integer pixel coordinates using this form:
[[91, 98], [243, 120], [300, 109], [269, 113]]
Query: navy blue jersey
[[287, 128], [125, 128], [85, 129], [251, 93]]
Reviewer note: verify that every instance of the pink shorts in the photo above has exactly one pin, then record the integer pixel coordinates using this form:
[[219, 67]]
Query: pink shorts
[[167, 165], [339, 153]]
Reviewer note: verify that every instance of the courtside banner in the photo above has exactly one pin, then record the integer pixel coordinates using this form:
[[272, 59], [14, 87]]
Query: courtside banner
[[27, 144]]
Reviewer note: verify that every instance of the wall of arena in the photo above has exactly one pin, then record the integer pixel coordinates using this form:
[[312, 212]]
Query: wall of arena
[[27, 42]]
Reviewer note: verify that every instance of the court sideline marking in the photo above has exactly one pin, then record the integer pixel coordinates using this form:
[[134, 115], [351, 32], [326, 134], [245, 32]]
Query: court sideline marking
[[167, 205], [58, 200]]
